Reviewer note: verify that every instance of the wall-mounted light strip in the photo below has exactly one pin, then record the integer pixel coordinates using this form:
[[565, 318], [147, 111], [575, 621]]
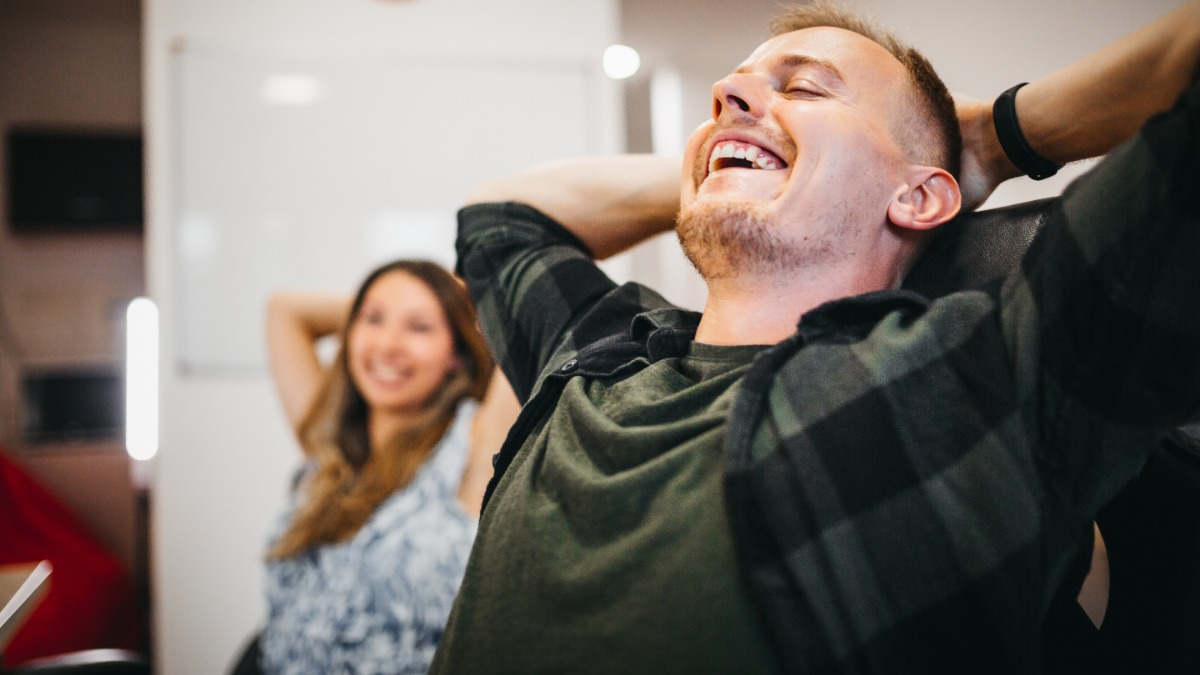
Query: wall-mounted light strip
[[141, 379]]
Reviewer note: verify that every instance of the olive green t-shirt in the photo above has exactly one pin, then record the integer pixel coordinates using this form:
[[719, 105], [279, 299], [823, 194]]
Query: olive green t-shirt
[[606, 547]]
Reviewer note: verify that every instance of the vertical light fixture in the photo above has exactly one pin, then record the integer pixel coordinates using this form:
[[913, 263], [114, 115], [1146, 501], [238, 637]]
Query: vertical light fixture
[[141, 379]]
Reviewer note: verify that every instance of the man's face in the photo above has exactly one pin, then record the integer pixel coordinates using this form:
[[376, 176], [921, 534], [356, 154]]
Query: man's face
[[799, 164]]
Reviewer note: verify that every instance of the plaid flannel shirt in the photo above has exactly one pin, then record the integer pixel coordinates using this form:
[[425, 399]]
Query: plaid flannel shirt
[[908, 481]]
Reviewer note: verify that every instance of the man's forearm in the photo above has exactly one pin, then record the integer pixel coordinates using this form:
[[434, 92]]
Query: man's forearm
[[610, 203], [1089, 107]]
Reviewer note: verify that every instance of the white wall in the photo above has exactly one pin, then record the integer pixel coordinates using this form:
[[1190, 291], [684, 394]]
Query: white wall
[[225, 452]]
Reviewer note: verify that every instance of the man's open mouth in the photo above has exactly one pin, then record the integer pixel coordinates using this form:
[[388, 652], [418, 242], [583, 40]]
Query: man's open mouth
[[742, 155]]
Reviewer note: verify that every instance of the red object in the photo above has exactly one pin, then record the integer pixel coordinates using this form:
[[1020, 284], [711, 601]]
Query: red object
[[90, 602]]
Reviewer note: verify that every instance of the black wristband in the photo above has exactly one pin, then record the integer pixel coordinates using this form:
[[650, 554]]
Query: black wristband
[[1008, 129]]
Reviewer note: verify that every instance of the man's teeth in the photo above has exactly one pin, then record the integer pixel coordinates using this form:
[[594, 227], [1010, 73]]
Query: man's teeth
[[750, 154]]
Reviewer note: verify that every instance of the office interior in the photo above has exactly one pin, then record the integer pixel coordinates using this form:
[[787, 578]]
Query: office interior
[[235, 203]]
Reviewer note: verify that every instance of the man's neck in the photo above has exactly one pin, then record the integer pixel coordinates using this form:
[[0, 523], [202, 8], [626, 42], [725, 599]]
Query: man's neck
[[763, 310]]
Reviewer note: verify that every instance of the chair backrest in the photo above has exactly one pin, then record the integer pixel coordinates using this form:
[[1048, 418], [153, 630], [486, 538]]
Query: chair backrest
[[977, 248], [1151, 529]]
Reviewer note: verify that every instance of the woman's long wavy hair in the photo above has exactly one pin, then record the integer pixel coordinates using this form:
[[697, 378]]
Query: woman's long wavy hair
[[351, 478]]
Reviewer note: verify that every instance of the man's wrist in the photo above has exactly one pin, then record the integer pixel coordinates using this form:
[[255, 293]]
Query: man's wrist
[[1012, 140]]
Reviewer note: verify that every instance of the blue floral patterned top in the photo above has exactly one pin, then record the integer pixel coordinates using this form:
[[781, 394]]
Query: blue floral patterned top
[[377, 603]]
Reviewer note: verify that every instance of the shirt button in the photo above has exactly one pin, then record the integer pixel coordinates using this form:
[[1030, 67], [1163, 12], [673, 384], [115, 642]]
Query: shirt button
[[569, 366]]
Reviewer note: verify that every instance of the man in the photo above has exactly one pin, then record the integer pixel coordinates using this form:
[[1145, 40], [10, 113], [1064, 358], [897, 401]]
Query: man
[[820, 472]]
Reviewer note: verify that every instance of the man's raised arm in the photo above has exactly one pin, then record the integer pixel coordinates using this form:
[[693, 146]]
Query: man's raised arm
[[610, 203], [1086, 108]]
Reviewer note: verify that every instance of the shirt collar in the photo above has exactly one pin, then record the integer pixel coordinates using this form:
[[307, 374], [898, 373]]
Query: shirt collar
[[856, 315], [666, 332]]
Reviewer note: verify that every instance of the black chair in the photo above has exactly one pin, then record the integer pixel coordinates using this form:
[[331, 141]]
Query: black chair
[[1151, 529], [977, 248]]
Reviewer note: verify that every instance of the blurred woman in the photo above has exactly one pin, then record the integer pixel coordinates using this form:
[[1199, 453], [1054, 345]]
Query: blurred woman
[[365, 565]]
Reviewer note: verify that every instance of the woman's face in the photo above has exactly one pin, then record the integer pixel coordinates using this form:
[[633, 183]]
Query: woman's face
[[400, 347]]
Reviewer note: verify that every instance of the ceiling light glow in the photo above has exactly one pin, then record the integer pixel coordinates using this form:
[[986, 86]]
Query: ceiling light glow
[[621, 61]]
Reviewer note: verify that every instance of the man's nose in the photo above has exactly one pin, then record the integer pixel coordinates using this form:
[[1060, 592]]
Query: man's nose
[[736, 95]]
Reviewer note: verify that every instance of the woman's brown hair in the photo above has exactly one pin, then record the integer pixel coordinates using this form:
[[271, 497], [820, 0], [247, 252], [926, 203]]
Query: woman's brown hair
[[350, 480]]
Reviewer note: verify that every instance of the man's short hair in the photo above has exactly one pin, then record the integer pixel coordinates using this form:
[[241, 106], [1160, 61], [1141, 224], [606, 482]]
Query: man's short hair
[[930, 134]]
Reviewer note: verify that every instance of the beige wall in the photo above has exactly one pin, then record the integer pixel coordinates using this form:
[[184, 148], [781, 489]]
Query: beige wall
[[72, 65]]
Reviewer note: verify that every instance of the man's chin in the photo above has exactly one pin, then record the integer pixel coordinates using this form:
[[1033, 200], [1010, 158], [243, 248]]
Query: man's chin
[[724, 207], [723, 238]]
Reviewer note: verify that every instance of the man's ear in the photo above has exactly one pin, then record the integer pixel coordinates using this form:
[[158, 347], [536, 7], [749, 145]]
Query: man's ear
[[930, 198]]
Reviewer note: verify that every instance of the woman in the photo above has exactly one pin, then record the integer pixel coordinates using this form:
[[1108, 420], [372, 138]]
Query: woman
[[363, 569]]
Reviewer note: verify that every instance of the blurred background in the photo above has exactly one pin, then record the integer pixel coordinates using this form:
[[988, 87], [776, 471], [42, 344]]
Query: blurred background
[[294, 143]]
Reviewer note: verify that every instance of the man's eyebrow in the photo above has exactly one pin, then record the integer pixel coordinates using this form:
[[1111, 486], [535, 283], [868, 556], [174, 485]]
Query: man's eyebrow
[[794, 61]]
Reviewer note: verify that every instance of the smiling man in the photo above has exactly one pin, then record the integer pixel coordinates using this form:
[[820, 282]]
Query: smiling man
[[854, 156], [820, 472]]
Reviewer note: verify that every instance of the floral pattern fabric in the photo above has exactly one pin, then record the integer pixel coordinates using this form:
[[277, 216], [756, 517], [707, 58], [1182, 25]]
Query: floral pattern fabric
[[377, 603]]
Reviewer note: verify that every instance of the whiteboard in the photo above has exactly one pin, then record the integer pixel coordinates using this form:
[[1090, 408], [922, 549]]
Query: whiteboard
[[311, 196]]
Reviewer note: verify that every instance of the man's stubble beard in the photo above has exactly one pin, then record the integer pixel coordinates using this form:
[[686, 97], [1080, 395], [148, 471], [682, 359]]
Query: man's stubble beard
[[724, 240]]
